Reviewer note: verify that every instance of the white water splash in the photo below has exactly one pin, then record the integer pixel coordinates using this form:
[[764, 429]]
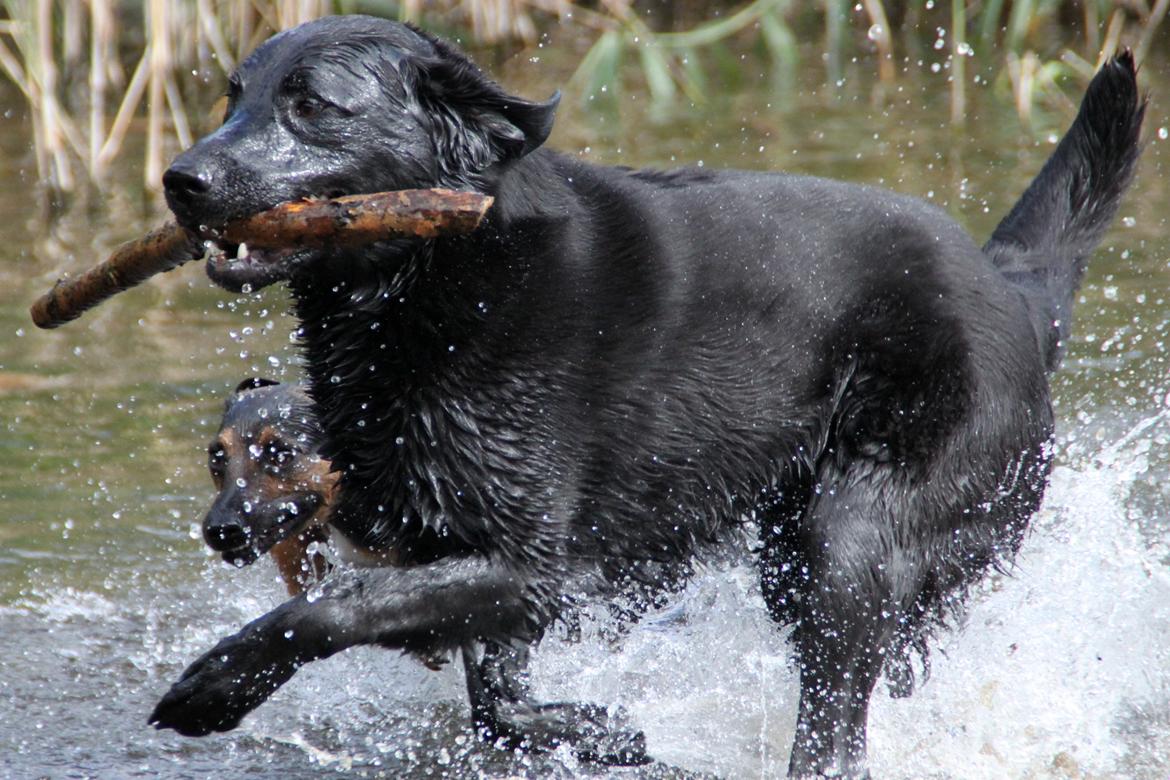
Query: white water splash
[[1063, 669]]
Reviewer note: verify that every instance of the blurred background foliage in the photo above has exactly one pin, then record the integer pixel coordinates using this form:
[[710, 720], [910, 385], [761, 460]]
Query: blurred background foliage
[[88, 74]]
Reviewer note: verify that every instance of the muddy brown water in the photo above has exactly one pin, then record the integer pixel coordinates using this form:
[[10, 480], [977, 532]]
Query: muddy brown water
[[106, 590]]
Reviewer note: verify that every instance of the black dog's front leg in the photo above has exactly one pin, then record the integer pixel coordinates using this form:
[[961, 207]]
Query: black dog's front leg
[[503, 711], [437, 605]]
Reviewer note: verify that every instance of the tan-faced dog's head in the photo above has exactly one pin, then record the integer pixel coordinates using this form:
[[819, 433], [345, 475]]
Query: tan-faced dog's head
[[274, 490]]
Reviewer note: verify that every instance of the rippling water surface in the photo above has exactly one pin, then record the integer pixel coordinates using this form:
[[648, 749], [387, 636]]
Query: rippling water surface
[[106, 592]]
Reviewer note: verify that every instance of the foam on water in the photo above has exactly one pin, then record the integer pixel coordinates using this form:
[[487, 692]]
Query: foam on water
[[1063, 666]]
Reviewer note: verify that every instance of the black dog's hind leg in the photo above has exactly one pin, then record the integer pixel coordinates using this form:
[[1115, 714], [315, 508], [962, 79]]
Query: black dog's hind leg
[[836, 570], [442, 604], [502, 711]]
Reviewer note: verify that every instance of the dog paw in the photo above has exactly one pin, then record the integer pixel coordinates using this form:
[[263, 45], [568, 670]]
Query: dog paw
[[223, 685], [591, 732]]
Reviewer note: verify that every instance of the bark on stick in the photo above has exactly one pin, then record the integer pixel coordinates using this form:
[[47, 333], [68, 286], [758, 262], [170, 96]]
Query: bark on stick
[[350, 221]]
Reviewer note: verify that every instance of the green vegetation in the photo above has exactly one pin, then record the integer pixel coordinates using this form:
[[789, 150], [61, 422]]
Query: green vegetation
[[91, 71]]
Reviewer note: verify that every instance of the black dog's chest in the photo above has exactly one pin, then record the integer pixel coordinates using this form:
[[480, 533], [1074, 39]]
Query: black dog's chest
[[444, 470]]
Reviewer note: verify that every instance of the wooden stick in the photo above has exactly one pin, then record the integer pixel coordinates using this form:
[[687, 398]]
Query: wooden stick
[[350, 221], [361, 219], [130, 264]]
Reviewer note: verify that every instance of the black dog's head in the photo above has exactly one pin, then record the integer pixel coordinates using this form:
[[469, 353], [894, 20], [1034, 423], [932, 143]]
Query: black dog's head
[[339, 106], [271, 482]]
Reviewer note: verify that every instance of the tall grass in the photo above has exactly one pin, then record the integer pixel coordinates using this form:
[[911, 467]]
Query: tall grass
[[1031, 45], [91, 71], [77, 133]]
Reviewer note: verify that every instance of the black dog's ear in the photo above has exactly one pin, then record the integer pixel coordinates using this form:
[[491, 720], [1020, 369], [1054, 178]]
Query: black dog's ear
[[252, 383], [533, 120], [476, 109]]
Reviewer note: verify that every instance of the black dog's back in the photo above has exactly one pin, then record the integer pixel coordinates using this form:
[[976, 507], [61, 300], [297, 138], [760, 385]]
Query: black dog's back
[[662, 285]]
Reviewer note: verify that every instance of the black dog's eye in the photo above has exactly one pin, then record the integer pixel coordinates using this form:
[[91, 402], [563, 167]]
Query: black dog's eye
[[231, 98], [308, 108], [217, 459]]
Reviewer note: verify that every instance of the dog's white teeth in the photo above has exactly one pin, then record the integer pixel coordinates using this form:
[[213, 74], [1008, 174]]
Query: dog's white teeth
[[242, 252]]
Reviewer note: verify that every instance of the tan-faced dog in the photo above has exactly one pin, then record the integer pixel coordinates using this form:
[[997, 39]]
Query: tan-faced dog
[[274, 490]]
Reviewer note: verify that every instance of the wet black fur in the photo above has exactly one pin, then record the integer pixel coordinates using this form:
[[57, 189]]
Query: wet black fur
[[620, 367]]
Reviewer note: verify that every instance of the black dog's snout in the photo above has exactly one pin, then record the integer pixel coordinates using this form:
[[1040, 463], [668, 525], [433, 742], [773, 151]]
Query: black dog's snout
[[224, 534]]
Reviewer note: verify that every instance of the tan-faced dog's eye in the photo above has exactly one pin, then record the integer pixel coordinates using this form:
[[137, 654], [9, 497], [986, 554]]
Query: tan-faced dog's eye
[[217, 459], [277, 457]]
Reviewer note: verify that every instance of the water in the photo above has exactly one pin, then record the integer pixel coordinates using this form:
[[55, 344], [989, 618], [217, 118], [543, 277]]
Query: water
[[106, 591]]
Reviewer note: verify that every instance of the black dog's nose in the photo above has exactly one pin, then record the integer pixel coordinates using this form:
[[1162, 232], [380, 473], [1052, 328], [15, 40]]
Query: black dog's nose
[[185, 183], [224, 534], [183, 179]]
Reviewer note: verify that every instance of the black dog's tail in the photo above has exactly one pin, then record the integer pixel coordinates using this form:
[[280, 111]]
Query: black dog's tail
[[1044, 243]]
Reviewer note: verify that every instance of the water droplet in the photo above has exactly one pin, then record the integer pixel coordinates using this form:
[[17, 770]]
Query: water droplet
[[1163, 133], [399, 441], [875, 32]]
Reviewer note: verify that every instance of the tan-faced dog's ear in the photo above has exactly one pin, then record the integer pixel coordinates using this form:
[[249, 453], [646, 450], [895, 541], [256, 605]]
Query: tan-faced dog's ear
[[252, 383]]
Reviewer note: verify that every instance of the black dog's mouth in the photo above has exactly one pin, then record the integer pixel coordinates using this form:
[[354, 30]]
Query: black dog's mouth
[[292, 516], [241, 268]]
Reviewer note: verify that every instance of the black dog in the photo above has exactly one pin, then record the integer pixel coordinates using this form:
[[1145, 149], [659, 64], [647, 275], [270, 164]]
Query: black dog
[[621, 367]]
